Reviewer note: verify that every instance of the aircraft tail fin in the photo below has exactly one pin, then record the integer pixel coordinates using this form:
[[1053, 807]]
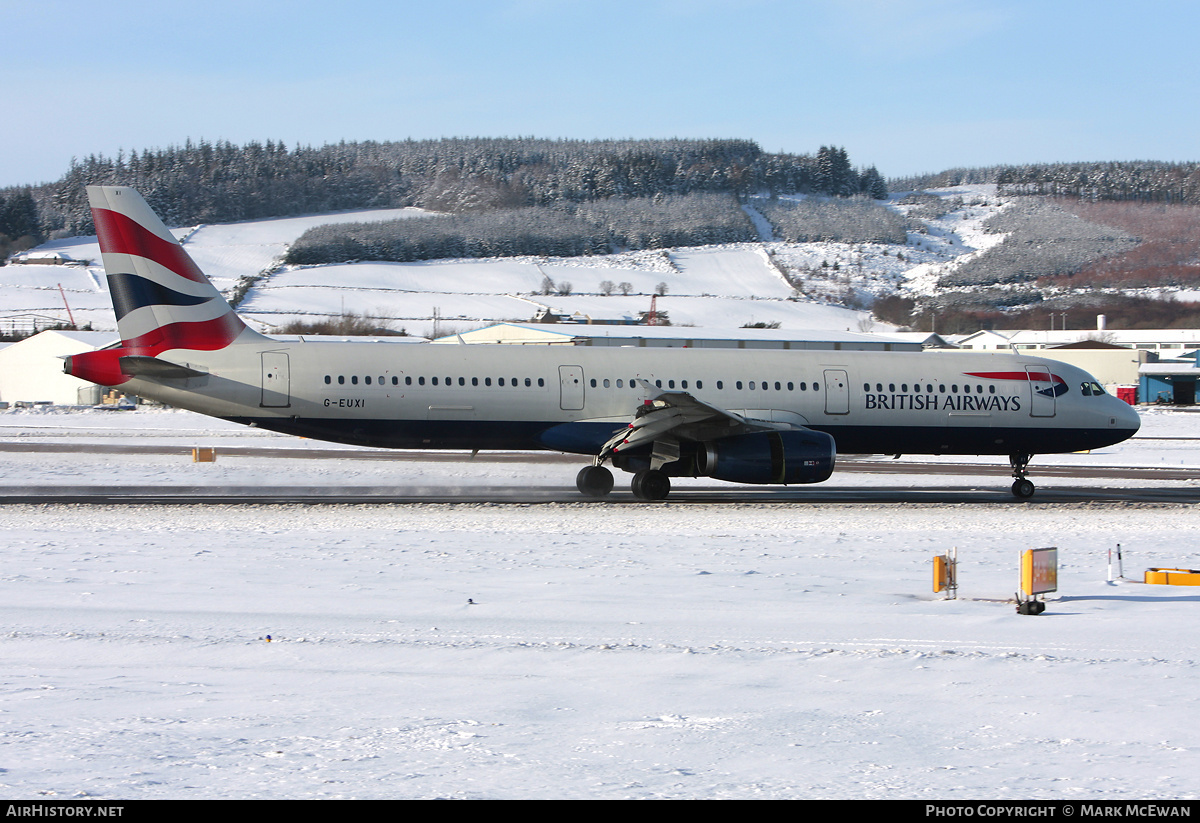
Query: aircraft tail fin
[[162, 299]]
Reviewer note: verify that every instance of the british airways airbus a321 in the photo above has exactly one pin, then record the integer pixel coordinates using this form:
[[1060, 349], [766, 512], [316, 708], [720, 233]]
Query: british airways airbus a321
[[771, 417]]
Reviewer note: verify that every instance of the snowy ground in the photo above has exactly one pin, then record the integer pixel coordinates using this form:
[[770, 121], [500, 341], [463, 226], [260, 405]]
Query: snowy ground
[[677, 650]]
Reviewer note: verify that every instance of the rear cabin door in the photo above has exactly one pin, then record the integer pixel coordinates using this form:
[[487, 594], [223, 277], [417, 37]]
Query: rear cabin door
[[570, 381], [837, 392], [276, 380]]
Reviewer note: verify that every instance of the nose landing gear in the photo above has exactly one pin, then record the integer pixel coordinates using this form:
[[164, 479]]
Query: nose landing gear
[[1022, 488]]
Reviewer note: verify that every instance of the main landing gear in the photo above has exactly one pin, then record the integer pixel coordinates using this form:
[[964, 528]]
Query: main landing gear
[[594, 481], [649, 485], [1021, 488]]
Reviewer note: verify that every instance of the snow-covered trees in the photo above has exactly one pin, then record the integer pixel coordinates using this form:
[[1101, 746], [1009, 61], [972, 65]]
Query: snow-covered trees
[[573, 230], [1043, 239], [857, 220], [18, 222], [1143, 180], [1146, 181], [218, 182]]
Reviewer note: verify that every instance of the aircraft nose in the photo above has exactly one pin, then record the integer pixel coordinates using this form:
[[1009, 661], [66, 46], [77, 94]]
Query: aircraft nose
[[1126, 417]]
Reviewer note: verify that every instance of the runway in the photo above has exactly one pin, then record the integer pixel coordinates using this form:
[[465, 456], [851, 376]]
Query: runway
[[524, 495], [991, 490]]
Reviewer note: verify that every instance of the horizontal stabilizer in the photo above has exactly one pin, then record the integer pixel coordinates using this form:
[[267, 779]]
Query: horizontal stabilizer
[[142, 366]]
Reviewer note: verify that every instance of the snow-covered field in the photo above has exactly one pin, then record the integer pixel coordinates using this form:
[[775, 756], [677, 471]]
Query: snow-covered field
[[576, 650]]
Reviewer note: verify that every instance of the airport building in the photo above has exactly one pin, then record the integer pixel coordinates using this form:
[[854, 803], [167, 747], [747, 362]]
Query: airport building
[[31, 370], [522, 334]]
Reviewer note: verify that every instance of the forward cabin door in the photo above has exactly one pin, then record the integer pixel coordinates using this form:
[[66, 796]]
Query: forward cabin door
[[837, 392], [570, 382], [1041, 391], [276, 380]]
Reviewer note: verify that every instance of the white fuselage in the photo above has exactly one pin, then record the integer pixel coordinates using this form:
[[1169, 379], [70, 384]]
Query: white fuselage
[[494, 396]]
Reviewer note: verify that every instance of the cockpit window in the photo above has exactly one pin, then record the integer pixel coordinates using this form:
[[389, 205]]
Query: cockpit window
[[1091, 389]]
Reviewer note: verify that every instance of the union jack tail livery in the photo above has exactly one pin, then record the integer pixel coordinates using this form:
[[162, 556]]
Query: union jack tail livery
[[161, 298]]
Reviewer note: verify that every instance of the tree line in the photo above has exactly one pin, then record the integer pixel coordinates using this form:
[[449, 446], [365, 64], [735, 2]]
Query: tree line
[[212, 182], [568, 230], [19, 229], [1142, 180], [599, 227]]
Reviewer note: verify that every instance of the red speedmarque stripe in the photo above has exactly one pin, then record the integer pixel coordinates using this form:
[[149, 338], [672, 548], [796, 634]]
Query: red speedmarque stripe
[[1015, 375], [121, 235]]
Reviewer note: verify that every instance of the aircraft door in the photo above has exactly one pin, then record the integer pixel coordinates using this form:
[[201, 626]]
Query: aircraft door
[[1041, 391], [570, 382], [837, 392], [276, 380]]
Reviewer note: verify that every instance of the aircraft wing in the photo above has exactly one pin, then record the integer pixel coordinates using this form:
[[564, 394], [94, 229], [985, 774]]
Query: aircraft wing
[[667, 416]]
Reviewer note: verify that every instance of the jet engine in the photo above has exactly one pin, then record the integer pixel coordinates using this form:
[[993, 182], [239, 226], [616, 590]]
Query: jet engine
[[803, 456]]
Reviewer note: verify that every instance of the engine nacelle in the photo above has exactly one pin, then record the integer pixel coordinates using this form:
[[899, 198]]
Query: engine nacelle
[[804, 456]]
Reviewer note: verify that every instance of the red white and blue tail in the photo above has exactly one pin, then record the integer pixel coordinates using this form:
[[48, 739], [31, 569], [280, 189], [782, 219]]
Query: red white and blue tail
[[162, 299]]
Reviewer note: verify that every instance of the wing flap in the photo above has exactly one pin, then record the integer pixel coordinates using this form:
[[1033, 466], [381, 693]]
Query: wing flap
[[673, 415]]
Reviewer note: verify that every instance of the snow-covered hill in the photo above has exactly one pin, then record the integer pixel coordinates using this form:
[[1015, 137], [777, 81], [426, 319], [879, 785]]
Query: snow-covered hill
[[797, 285]]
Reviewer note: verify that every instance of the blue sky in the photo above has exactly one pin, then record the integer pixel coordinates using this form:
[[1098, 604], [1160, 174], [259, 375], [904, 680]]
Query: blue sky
[[908, 87]]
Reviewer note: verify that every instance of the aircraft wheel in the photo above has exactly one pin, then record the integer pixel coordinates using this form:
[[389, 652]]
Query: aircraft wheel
[[1022, 488], [594, 481], [651, 485]]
